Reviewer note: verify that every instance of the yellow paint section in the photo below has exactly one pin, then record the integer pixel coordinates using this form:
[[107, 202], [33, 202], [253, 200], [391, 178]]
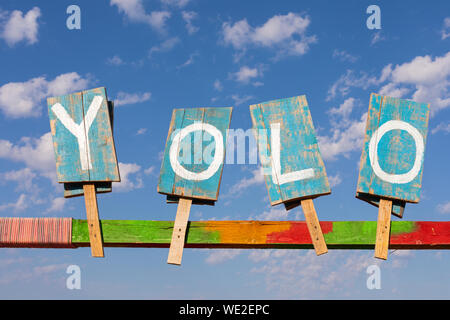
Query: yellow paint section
[[246, 232]]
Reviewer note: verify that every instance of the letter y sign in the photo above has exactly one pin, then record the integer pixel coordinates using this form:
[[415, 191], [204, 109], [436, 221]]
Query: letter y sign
[[82, 137]]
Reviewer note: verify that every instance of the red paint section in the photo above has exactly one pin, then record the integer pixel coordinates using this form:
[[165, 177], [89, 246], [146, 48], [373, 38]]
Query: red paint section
[[298, 233], [426, 233]]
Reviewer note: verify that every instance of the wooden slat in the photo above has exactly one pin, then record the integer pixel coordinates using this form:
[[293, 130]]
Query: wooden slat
[[383, 229], [95, 234], [179, 231], [314, 227]]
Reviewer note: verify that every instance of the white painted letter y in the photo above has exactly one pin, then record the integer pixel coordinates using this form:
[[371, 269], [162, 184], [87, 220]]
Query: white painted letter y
[[80, 131]]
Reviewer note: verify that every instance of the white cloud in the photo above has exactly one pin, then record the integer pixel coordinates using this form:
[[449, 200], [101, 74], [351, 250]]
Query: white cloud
[[24, 99], [57, 205], [286, 33], [141, 131], [351, 80], [256, 178], [222, 255], [135, 12], [446, 29], [429, 79], [36, 153], [342, 141], [245, 74], [150, 170], [393, 90], [21, 204], [344, 56], [423, 79], [115, 61], [188, 16], [278, 213], [301, 274], [377, 37], [444, 207], [334, 180], [347, 134], [238, 100], [127, 170], [20, 27], [345, 109], [38, 157], [445, 127], [23, 177], [124, 98], [176, 3], [218, 85], [188, 61], [165, 46]]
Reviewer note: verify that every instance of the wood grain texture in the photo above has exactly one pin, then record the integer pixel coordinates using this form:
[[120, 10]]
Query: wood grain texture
[[298, 149], [195, 153], [179, 232], [423, 235], [95, 232], [266, 234], [102, 153], [396, 150], [314, 228], [383, 229]]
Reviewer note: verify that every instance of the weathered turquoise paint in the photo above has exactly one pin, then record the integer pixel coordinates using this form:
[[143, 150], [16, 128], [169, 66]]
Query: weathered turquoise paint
[[298, 148], [75, 189], [396, 149], [102, 150], [191, 153]]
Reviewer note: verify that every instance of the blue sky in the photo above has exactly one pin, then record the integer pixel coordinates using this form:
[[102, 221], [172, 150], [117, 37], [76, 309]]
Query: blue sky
[[156, 55]]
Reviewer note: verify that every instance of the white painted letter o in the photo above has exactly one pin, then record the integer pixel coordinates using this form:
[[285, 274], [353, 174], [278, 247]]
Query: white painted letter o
[[218, 155], [373, 152]]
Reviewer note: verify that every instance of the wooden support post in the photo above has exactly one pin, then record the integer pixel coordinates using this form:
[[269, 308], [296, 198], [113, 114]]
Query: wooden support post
[[314, 229], [95, 234], [383, 229], [179, 232]]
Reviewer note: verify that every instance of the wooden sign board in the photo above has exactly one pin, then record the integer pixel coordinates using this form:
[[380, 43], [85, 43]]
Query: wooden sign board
[[86, 162], [82, 137], [195, 149], [392, 157], [192, 165], [293, 168], [392, 160], [289, 153]]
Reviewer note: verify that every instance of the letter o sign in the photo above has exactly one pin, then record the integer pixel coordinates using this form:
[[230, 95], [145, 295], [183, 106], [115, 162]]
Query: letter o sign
[[218, 154], [373, 151]]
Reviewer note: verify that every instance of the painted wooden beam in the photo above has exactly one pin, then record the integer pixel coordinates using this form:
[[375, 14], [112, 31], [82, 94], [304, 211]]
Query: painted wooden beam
[[227, 234], [266, 234]]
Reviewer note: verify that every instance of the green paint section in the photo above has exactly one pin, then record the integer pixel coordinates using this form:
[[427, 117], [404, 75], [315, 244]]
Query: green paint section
[[141, 231], [363, 232], [399, 227]]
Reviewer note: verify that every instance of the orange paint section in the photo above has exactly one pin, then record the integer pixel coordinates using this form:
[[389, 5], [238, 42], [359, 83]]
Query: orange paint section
[[297, 233], [248, 232]]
